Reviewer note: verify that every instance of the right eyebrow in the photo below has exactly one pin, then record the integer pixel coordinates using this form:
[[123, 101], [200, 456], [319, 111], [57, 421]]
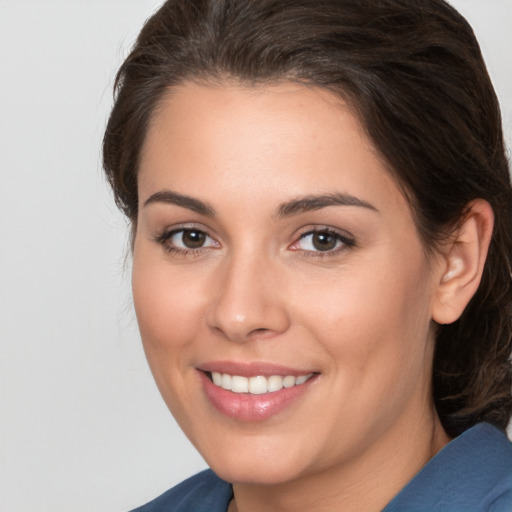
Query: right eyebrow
[[170, 197]]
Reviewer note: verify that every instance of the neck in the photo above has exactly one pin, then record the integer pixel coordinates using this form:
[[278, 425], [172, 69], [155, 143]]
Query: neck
[[368, 483]]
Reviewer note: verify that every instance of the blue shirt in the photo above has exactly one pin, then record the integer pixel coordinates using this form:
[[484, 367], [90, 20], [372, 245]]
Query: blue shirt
[[473, 473]]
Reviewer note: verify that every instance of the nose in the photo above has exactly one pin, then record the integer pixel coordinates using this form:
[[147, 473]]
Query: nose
[[248, 302]]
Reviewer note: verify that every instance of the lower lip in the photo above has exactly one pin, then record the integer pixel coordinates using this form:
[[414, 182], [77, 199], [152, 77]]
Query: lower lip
[[252, 408]]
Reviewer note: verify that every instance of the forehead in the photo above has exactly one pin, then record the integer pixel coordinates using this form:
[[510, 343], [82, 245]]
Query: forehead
[[275, 140], [277, 114]]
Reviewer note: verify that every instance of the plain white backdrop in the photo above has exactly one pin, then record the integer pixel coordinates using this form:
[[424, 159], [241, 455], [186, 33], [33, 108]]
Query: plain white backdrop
[[82, 426]]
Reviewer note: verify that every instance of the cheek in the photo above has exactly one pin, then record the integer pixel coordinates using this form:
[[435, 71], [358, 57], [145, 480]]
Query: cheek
[[374, 321], [375, 329], [169, 315], [168, 308]]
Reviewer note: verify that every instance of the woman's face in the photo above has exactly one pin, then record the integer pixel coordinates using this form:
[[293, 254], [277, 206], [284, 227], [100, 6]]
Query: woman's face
[[273, 250]]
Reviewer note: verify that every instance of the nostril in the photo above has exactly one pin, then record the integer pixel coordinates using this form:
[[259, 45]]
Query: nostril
[[261, 332]]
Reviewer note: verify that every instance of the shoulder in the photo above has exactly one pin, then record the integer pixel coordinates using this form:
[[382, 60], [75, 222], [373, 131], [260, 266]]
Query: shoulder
[[473, 472], [204, 492]]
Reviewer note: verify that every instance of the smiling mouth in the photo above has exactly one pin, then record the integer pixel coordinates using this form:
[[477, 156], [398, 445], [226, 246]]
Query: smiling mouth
[[257, 385]]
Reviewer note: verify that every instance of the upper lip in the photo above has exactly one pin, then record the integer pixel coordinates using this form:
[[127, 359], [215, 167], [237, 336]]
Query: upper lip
[[252, 369]]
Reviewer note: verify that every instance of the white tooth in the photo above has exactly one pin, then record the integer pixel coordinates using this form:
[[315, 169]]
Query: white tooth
[[258, 385], [302, 379], [239, 384], [289, 381], [275, 383], [226, 381], [217, 378]]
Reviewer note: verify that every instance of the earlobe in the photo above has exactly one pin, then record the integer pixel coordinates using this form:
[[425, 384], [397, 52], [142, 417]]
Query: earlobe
[[461, 262]]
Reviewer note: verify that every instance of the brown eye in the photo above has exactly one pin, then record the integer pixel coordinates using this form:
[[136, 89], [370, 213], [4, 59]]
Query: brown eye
[[324, 241], [186, 239], [192, 238]]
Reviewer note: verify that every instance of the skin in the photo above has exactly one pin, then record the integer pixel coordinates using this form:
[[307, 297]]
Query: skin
[[360, 316]]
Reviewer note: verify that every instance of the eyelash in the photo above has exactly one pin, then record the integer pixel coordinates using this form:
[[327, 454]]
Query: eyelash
[[345, 242], [164, 238]]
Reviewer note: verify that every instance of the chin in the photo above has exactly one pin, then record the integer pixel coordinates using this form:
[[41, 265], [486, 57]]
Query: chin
[[255, 472], [251, 460]]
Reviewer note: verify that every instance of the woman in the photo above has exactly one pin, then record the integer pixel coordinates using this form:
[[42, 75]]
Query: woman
[[321, 210]]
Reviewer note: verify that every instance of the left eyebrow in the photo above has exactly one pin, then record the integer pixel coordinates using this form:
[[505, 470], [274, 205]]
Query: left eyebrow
[[317, 202]]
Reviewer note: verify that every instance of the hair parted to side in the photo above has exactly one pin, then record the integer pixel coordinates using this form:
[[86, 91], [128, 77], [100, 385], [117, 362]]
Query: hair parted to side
[[413, 72]]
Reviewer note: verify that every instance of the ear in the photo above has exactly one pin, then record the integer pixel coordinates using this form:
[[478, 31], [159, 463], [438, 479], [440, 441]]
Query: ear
[[461, 262]]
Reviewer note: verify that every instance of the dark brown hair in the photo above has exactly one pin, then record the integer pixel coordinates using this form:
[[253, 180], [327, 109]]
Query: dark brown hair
[[413, 72]]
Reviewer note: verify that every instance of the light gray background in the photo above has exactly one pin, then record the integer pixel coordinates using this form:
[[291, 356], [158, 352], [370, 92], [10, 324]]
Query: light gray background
[[82, 427]]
